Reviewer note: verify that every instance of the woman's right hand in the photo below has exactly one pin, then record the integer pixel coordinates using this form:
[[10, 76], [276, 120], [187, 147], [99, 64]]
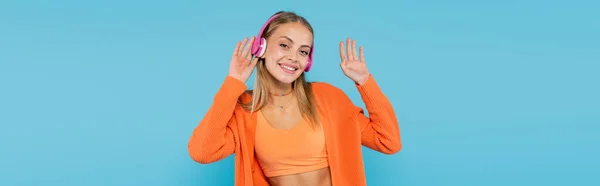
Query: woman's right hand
[[240, 66]]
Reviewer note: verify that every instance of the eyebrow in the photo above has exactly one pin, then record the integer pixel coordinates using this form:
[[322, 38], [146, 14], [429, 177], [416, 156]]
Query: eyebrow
[[293, 41]]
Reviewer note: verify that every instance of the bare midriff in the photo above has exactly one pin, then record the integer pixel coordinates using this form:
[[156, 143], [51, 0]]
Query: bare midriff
[[320, 177]]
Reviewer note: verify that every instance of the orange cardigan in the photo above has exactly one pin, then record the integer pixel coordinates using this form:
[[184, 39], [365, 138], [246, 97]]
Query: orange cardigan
[[227, 128]]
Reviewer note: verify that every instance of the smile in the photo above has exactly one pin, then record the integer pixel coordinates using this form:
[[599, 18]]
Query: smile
[[288, 68]]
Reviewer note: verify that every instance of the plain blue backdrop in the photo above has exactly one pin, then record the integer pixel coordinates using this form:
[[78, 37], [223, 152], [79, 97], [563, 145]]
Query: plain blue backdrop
[[490, 93]]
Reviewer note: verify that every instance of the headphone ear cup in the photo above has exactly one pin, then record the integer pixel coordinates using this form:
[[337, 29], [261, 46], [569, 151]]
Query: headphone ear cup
[[262, 47], [255, 50], [310, 59]]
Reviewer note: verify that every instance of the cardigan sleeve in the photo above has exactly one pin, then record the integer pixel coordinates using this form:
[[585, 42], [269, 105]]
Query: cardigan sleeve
[[380, 131], [214, 138]]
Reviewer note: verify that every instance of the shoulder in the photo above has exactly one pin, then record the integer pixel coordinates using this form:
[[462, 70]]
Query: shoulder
[[328, 91], [325, 88], [246, 97]]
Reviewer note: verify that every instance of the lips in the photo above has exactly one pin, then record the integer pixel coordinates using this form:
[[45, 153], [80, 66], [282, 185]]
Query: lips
[[288, 68]]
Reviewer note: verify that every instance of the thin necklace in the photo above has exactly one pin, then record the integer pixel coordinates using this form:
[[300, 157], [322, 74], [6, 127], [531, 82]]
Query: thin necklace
[[281, 106], [274, 94]]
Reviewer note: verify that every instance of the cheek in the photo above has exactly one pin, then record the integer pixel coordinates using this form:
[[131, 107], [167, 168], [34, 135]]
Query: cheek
[[273, 52]]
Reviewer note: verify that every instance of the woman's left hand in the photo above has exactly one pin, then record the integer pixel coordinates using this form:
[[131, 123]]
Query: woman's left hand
[[353, 66]]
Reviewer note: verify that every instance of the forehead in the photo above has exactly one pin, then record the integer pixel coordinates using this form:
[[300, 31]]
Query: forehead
[[295, 31]]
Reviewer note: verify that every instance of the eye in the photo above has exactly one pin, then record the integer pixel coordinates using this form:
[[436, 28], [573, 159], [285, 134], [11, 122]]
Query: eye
[[283, 45], [304, 53]]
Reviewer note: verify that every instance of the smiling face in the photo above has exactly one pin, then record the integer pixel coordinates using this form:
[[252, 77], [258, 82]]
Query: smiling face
[[288, 49]]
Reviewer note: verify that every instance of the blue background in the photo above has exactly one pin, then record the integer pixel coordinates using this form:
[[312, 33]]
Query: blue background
[[487, 93]]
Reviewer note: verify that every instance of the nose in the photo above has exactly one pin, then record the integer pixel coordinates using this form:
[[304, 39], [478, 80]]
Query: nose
[[293, 57]]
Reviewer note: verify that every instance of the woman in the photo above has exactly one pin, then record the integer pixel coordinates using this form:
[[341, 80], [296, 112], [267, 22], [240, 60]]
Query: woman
[[288, 131]]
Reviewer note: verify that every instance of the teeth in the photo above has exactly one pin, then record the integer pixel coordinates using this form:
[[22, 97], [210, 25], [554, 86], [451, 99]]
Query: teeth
[[289, 68]]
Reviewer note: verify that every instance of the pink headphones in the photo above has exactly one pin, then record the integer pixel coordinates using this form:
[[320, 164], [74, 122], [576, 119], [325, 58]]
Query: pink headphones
[[260, 44]]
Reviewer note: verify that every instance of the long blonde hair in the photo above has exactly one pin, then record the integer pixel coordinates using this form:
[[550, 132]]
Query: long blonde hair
[[301, 87]]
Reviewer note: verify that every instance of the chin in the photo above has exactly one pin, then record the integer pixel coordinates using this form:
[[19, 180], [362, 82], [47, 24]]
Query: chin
[[285, 73]]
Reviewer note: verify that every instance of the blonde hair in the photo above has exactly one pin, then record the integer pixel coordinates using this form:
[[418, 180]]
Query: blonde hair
[[301, 87]]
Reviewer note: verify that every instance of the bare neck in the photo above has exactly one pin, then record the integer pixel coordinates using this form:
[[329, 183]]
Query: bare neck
[[280, 88], [280, 93], [277, 87]]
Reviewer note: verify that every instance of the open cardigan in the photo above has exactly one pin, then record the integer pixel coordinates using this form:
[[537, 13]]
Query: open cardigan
[[227, 129]]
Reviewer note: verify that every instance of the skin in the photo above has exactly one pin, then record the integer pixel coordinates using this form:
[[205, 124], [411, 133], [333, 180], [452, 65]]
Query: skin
[[290, 45]]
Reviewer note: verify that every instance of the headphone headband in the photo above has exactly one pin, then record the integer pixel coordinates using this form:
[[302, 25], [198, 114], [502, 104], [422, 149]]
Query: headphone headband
[[260, 44]]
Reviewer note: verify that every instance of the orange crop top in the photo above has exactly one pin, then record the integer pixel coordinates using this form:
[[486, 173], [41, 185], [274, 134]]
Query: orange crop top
[[284, 152]]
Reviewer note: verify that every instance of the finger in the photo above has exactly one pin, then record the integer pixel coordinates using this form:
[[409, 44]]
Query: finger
[[242, 44], [362, 54], [248, 47], [253, 62], [348, 48], [237, 48], [354, 56], [342, 54]]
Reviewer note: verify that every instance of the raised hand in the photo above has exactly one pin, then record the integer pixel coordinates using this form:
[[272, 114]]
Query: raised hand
[[353, 67], [240, 66]]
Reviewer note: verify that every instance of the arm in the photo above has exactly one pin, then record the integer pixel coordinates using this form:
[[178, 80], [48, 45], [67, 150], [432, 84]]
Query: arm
[[380, 131], [216, 135]]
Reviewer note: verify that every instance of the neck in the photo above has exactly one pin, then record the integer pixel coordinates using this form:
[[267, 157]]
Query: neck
[[278, 88], [281, 96], [280, 93]]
